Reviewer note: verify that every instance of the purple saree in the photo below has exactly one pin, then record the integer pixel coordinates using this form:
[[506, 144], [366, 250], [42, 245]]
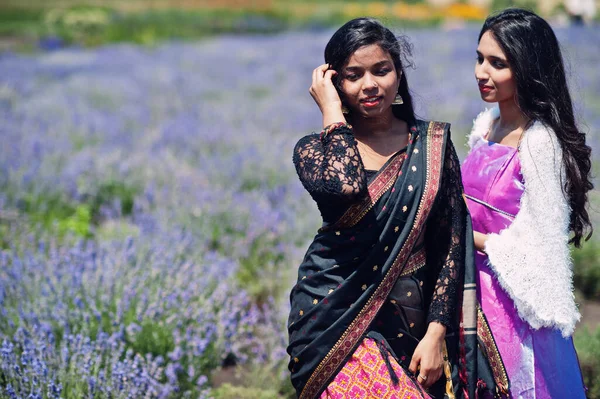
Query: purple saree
[[534, 363]]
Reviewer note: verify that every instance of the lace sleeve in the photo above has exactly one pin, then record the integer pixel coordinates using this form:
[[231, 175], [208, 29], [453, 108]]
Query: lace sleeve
[[448, 239], [330, 166]]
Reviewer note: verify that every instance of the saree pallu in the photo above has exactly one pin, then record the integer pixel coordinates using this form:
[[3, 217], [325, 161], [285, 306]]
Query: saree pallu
[[352, 266]]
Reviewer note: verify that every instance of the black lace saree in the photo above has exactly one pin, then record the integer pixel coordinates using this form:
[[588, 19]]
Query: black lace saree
[[394, 254]]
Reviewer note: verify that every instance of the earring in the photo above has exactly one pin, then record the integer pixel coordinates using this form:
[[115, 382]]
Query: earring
[[345, 110], [398, 100]]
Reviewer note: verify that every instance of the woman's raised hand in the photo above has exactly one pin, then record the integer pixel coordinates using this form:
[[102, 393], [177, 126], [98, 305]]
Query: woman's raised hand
[[326, 96]]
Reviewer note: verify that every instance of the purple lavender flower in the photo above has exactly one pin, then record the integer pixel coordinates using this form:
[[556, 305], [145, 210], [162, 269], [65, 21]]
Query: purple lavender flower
[[156, 200]]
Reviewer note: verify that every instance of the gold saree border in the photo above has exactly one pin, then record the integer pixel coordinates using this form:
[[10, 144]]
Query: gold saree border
[[416, 261], [495, 360], [381, 184], [343, 347]]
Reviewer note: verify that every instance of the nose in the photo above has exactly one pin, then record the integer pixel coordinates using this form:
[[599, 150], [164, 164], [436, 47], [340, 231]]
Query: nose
[[481, 73], [369, 82]]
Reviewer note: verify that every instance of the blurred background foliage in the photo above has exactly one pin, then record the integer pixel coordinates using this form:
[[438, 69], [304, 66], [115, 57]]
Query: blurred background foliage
[[151, 222], [94, 22]]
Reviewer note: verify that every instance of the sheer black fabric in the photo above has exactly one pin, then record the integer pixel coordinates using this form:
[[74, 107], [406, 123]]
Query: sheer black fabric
[[332, 172]]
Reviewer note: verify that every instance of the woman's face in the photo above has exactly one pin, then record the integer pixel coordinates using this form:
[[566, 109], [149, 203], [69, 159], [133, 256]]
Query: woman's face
[[370, 81], [492, 71]]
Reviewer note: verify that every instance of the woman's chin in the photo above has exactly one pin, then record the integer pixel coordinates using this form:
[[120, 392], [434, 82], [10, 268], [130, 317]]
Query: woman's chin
[[373, 112], [488, 98]]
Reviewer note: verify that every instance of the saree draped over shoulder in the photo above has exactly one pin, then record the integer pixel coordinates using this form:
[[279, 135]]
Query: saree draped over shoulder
[[394, 253]]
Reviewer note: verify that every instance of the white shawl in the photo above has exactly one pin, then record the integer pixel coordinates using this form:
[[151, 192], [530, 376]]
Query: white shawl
[[531, 257]]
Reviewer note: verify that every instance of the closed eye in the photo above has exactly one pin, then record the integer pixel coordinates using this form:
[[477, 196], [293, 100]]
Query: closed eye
[[383, 71]]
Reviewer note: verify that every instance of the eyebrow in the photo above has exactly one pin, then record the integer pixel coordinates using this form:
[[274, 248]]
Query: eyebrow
[[376, 65]]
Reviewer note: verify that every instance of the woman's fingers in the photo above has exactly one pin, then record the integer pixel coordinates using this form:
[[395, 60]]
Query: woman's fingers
[[319, 71], [427, 362], [431, 360], [427, 376], [422, 379], [315, 82], [414, 363], [328, 75], [314, 77], [431, 370], [317, 77]]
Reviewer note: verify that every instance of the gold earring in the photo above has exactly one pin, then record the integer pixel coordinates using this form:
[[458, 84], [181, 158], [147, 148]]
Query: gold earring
[[345, 110], [398, 100]]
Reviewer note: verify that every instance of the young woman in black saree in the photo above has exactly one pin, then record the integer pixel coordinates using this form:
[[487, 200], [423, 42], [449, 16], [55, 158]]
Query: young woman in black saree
[[384, 305]]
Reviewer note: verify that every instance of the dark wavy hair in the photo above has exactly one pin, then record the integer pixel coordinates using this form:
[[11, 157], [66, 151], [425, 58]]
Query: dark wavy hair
[[361, 32], [535, 59]]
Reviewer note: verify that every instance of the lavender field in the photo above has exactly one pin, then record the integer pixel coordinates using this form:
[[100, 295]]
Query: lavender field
[[150, 218]]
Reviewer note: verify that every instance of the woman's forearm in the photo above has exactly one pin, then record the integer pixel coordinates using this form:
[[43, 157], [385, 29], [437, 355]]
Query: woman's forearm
[[480, 240]]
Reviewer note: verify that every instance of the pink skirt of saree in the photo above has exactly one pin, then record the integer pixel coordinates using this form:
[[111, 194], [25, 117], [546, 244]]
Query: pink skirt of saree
[[365, 375]]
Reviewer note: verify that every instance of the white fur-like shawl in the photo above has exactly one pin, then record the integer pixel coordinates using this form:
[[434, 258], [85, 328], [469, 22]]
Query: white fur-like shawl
[[531, 257]]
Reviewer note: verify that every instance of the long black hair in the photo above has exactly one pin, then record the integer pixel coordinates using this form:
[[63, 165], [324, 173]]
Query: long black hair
[[535, 59], [361, 32]]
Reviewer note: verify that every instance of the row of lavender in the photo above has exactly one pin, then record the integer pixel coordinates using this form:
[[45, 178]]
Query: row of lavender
[[150, 218]]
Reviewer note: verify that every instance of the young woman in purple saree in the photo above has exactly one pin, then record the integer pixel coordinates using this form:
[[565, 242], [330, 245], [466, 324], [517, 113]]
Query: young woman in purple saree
[[526, 181], [384, 305]]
